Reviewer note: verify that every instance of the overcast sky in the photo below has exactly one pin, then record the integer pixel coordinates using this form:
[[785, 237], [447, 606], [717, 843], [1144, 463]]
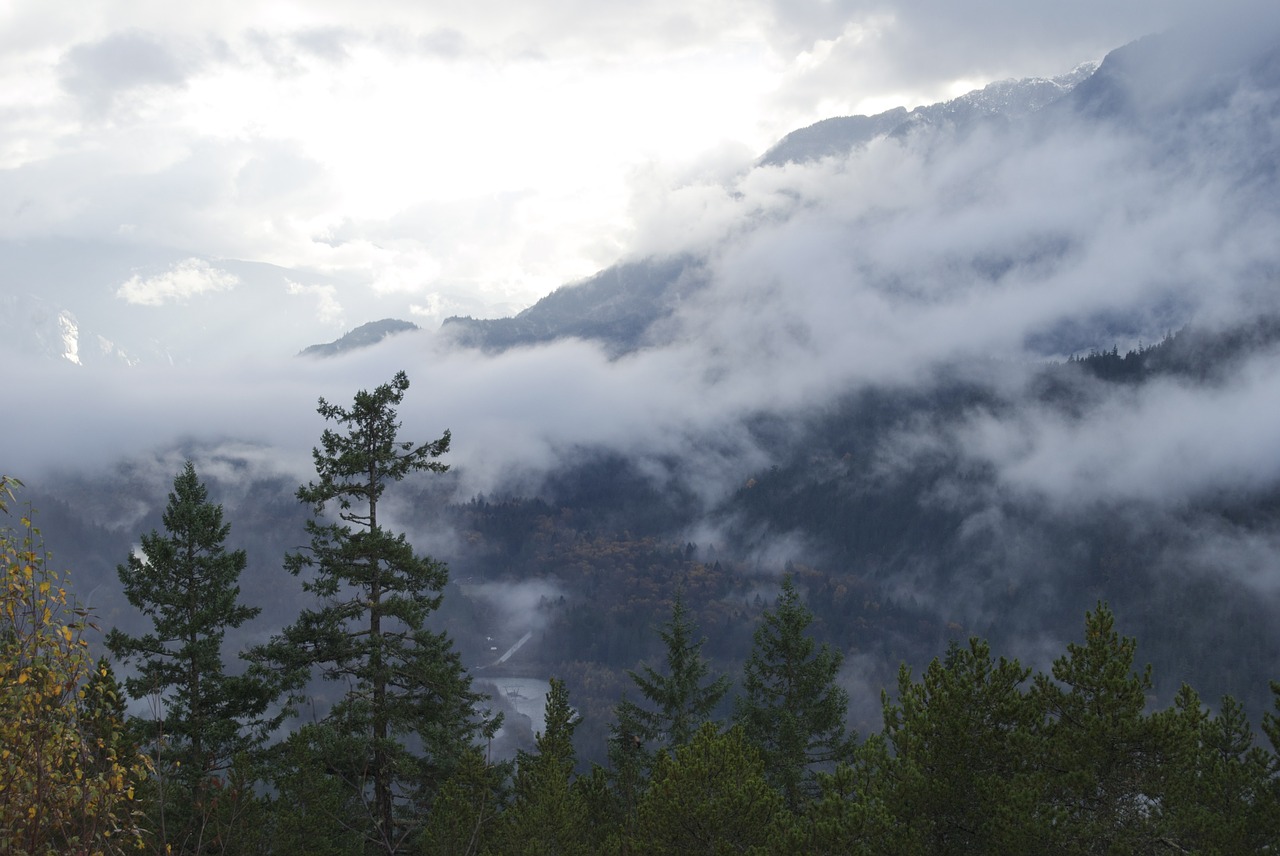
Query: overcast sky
[[435, 159]]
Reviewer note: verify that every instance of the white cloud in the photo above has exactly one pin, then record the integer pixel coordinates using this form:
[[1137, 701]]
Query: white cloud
[[328, 308], [182, 281]]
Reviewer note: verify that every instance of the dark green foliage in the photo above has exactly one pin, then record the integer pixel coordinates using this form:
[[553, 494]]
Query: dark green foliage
[[678, 701], [856, 811], [963, 749], [710, 797], [791, 707], [406, 717], [466, 814], [547, 816], [1216, 795], [1103, 758], [315, 812], [186, 583]]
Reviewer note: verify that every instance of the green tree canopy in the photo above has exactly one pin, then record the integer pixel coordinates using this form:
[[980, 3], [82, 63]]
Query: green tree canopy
[[547, 816]]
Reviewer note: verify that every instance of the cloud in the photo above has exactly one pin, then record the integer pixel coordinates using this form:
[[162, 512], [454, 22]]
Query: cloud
[[328, 309], [1167, 443], [181, 282], [935, 250], [101, 73], [854, 53]]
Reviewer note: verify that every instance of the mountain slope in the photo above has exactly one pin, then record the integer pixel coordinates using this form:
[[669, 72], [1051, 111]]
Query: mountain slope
[[618, 306], [1005, 99], [364, 336]]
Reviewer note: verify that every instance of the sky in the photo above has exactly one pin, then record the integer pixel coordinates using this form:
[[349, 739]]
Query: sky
[[424, 160]]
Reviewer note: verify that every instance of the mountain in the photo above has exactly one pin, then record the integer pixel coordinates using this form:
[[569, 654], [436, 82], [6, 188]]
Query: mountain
[[619, 306], [623, 306], [363, 336], [1005, 99], [936, 378]]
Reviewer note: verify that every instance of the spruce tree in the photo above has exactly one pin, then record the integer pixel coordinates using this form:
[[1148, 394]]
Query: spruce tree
[[679, 701], [186, 582], [406, 715], [792, 709]]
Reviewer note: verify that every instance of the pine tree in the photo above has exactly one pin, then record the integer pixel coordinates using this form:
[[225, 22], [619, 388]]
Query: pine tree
[[407, 704], [680, 701], [467, 811], [962, 742], [1102, 757], [792, 708], [548, 816], [1217, 795], [186, 583], [710, 796]]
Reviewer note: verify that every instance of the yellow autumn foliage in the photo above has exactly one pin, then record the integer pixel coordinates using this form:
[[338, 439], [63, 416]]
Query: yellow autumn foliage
[[66, 775]]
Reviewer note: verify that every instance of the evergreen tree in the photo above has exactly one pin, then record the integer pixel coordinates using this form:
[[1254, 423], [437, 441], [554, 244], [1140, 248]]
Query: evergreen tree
[[680, 702], [467, 811], [1217, 796], [548, 816], [792, 708], [962, 740], [1101, 757], [186, 583], [856, 812], [407, 705], [711, 796], [314, 811]]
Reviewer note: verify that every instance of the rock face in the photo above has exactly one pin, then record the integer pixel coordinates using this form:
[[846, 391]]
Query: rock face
[[361, 337]]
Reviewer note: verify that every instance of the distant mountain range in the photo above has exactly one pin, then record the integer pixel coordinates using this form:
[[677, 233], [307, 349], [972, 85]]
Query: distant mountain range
[[617, 307]]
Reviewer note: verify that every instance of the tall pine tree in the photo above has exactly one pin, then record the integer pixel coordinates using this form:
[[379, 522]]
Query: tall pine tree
[[406, 715], [186, 582]]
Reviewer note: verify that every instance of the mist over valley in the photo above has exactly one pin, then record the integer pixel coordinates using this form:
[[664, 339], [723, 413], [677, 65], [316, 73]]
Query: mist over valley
[[964, 370]]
